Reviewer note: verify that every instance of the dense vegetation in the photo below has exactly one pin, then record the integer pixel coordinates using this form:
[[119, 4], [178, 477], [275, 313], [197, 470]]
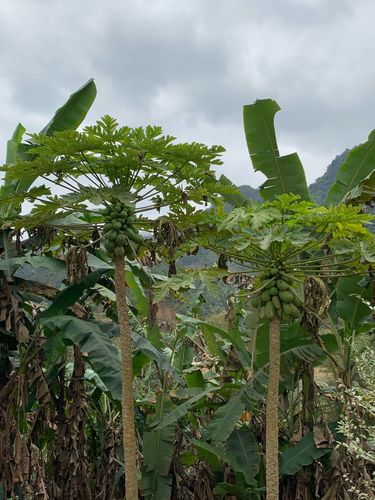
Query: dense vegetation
[[116, 383]]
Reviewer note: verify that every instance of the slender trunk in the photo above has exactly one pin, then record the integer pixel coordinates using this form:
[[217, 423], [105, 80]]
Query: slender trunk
[[129, 440], [272, 417]]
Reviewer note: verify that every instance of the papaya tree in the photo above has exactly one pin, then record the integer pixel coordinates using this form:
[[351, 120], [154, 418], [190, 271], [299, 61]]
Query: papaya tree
[[110, 177], [281, 244], [285, 174]]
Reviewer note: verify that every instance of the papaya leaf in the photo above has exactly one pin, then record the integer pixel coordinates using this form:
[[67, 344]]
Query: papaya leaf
[[358, 165], [285, 174], [234, 197]]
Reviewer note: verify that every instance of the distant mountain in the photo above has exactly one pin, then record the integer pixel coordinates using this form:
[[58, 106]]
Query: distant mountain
[[320, 187], [250, 192]]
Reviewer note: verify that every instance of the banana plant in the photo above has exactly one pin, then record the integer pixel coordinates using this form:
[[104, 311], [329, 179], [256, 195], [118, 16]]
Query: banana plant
[[68, 117], [113, 175]]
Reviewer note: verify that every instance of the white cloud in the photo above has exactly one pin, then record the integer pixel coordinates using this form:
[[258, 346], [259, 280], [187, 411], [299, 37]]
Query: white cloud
[[190, 66]]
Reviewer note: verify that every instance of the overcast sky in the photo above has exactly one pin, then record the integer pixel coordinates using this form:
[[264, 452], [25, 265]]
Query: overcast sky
[[191, 65]]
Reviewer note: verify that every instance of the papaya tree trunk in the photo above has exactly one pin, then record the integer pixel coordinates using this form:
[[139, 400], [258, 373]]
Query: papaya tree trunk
[[129, 439], [272, 413]]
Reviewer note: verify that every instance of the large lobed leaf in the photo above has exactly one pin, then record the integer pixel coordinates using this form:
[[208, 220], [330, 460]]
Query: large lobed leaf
[[285, 174], [358, 165], [101, 352]]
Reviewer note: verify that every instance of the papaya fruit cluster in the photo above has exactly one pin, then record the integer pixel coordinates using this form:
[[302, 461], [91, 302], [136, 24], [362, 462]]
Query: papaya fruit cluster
[[275, 297], [121, 238]]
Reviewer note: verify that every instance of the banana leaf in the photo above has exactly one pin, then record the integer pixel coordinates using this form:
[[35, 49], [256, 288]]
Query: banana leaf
[[68, 116], [285, 174], [358, 165]]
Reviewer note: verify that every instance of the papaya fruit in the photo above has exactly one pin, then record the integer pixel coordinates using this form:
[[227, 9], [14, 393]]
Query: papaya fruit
[[132, 235], [269, 311], [255, 301], [286, 297], [282, 285], [276, 302], [119, 251], [265, 297], [121, 239], [109, 245], [291, 310]]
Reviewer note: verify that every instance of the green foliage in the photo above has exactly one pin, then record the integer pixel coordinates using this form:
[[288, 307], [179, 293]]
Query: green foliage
[[69, 116], [358, 165], [321, 186], [284, 174], [363, 193], [351, 301], [102, 354], [244, 453], [303, 453], [225, 419], [158, 449]]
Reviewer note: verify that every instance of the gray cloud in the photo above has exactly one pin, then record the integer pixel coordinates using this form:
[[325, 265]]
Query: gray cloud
[[190, 66]]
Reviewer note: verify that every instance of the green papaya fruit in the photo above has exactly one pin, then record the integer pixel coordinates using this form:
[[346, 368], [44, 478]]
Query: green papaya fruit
[[119, 252], [291, 310], [121, 239], [286, 297], [269, 311], [132, 235], [111, 235], [130, 220], [255, 301], [274, 271], [276, 302], [282, 285], [116, 224], [109, 245], [265, 297], [274, 291], [107, 227], [287, 278], [270, 284], [285, 317]]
